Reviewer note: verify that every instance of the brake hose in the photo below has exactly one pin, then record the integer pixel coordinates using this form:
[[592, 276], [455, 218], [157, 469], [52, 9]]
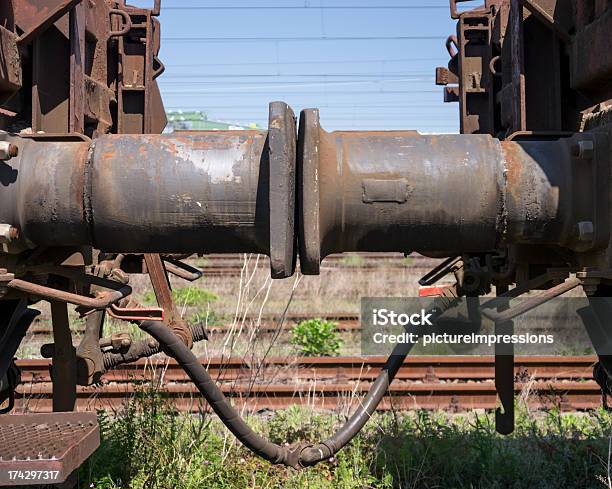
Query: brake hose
[[300, 455], [173, 346]]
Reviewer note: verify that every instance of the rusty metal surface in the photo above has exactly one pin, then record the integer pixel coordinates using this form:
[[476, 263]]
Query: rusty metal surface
[[410, 396], [330, 369], [358, 191], [535, 204], [163, 293], [64, 370], [400, 191], [140, 108], [282, 161], [95, 50], [592, 57], [89, 361], [504, 374], [56, 183], [181, 269], [212, 192], [171, 193], [11, 74], [397, 191], [35, 16], [54, 444], [102, 301], [532, 65], [547, 201], [476, 93], [308, 192], [438, 379]]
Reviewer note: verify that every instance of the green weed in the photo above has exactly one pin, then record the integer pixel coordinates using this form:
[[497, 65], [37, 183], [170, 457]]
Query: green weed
[[211, 318], [352, 261], [150, 445], [316, 337], [188, 296]]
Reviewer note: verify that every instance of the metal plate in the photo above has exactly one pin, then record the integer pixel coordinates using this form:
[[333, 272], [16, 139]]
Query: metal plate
[[308, 192], [282, 142], [45, 448]]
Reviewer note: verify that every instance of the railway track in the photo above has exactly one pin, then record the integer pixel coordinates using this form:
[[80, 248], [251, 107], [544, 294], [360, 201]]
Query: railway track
[[447, 383], [232, 265], [346, 323]]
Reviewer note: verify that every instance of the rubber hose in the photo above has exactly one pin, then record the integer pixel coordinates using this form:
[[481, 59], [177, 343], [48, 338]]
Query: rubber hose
[[298, 456], [174, 347], [326, 449]]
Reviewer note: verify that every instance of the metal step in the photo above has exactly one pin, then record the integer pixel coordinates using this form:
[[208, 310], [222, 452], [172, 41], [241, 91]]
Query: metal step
[[41, 449]]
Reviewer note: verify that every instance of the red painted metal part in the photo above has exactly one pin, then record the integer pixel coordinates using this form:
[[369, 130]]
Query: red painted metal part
[[433, 290]]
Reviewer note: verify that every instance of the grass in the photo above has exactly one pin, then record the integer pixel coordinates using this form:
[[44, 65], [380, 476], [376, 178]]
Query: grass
[[210, 318], [352, 261], [201, 262], [148, 445], [185, 297], [112, 326]]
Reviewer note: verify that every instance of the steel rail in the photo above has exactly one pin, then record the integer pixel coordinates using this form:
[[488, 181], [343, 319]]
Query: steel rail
[[448, 383]]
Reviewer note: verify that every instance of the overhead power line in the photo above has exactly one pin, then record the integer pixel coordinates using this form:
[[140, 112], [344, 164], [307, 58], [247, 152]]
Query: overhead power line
[[264, 107], [284, 84], [301, 84], [306, 62], [304, 39], [309, 7], [406, 124], [301, 92], [292, 75]]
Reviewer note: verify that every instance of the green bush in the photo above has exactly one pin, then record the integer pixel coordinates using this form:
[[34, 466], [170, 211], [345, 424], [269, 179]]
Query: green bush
[[316, 338]]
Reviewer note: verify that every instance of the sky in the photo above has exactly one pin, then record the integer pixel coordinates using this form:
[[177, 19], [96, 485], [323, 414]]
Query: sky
[[368, 68]]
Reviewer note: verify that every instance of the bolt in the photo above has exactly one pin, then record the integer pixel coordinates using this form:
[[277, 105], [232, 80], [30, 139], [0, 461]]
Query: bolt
[[583, 149], [8, 150], [586, 231]]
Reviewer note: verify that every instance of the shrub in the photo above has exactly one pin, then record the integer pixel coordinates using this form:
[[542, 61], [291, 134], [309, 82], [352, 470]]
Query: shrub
[[316, 337]]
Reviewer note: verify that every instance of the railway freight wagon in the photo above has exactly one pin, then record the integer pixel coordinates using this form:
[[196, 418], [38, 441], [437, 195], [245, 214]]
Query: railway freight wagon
[[518, 204]]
